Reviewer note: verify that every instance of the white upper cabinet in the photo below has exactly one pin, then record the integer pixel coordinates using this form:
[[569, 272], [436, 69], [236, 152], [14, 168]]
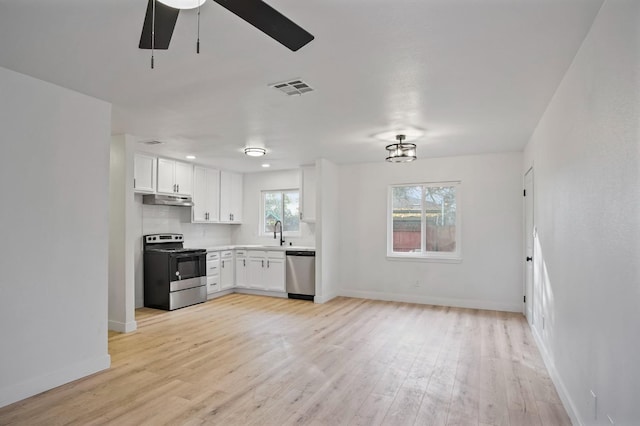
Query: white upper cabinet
[[144, 173], [230, 197], [308, 194], [206, 194], [174, 177]]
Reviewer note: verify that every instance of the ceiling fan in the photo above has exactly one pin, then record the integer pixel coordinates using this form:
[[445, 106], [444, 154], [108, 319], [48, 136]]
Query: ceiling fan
[[161, 19]]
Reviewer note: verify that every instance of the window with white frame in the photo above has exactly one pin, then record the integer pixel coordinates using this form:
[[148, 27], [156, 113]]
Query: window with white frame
[[424, 221], [283, 206]]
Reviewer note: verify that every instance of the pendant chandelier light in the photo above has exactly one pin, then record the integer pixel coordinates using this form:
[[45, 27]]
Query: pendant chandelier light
[[401, 152]]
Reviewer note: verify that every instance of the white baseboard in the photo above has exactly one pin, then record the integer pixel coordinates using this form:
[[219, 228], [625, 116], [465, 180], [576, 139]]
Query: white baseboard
[[18, 391], [261, 292], [219, 294], [439, 301], [123, 327], [569, 406], [324, 299]]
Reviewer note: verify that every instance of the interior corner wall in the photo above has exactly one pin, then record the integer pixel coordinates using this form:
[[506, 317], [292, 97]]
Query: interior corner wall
[[585, 155], [490, 274], [328, 252], [55, 229]]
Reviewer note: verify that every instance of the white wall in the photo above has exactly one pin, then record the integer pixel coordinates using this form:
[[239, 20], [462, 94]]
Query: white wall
[[54, 217], [585, 154], [121, 221], [328, 252], [254, 184], [490, 274]]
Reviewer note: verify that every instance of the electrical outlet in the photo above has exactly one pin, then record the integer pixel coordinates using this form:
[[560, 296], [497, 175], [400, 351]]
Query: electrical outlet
[[610, 420], [595, 405]]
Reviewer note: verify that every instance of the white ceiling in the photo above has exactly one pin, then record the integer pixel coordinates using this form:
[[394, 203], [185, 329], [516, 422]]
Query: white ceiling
[[475, 75]]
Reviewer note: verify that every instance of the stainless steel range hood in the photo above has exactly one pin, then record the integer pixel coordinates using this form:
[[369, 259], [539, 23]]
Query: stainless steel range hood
[[167, 200]]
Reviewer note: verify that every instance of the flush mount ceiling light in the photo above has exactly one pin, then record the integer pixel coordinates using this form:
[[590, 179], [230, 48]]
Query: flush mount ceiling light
[[401, 152], [183, 4], [266, 165], [190, 157], [255, 152]]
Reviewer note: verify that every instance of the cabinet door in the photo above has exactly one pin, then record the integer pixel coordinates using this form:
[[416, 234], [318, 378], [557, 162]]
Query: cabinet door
[[225, 196], [241, 272], [144, 173], [236, 197], [213, 195], [308, 194], [166, 176], [231, 197], [184, 178], [274, 275], [226, 273], [255, 265], [200, 196]]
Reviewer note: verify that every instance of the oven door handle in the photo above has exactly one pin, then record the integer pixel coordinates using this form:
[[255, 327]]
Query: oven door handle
[[182, 256]]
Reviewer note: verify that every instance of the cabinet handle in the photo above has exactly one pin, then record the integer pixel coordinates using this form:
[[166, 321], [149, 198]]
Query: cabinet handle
[[134, 182], [300, 215], [267, 263], [263, 263], [244, 262], [223, 263], [178, 186]]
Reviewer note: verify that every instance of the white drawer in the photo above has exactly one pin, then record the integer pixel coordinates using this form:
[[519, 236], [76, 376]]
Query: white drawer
[[214, 255], [228, 254], [241, 253], [213, 267], [256, 253], [213, 284], [275, 254]]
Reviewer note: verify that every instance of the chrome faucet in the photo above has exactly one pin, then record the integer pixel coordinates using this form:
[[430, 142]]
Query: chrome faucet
[[275, 230]]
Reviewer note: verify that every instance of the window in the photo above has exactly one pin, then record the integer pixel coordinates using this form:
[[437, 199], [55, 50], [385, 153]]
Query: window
[[283, 206], [424, 221]]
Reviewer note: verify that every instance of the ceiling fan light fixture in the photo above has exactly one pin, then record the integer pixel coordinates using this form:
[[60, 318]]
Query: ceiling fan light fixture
[[401, 152], [183, 4], [255, 151]]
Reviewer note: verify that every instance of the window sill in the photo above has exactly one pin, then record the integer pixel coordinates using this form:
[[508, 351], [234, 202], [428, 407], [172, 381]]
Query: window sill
[[422, 258]]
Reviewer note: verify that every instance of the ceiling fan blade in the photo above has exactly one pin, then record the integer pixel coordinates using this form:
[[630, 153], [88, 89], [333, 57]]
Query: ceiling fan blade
[[269, 21], [166, 18]]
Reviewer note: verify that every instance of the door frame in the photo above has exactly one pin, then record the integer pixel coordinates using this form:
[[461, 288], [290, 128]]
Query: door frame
[[529, 246]]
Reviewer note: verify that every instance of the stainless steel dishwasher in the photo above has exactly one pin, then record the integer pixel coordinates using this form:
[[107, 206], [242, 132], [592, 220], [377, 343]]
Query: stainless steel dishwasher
[[301, 274]]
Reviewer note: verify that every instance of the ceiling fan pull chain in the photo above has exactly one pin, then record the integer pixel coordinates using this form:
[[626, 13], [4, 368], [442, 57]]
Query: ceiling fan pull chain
[[153, 31], [198, 42]]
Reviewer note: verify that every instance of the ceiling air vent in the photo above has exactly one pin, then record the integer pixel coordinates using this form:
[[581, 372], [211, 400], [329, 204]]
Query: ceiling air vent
[[152, 142], [293, 87]]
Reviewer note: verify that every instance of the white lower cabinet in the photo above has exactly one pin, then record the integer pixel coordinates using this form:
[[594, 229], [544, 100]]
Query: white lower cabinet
[[213, 272], [226, 270], [241, 268], [265, 270]]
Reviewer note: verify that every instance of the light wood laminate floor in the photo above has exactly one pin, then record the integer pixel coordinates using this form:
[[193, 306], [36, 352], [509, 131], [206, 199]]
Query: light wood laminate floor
[[251, 360]]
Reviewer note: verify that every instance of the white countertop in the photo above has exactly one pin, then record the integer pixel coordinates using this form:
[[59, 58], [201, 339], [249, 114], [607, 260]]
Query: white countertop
[[258, 247]]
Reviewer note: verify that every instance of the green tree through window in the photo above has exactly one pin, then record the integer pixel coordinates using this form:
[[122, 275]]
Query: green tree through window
[[282, 206]]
